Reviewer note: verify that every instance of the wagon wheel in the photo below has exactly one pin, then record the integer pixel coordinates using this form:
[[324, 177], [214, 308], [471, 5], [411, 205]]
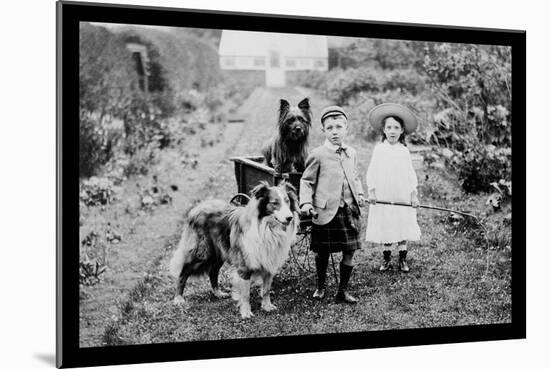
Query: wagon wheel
[[240, 199], [300, 250]]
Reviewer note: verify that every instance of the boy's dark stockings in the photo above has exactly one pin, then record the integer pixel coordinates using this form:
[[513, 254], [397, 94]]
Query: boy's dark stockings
[[321, 264], [342, 295]]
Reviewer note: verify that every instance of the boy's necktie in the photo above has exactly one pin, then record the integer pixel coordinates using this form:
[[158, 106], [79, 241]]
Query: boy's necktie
[[341, 149]]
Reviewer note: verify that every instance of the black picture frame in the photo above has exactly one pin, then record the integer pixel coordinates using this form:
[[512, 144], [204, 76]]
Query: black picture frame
[[69, 354]]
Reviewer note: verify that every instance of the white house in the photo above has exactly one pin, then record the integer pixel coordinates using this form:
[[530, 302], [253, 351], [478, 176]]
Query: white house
[[275, 53]]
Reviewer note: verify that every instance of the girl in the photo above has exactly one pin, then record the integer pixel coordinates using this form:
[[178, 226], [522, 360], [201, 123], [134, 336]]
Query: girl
[[391, 177]]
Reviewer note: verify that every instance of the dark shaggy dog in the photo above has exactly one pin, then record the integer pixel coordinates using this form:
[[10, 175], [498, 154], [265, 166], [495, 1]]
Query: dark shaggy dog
[[287, 151], [254, 239]]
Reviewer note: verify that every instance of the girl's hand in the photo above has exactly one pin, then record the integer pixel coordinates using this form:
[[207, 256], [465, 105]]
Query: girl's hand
[[414, 201], [361, 201], [372, 198]]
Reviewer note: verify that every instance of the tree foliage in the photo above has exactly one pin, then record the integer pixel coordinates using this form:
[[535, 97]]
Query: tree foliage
[[472, 86]]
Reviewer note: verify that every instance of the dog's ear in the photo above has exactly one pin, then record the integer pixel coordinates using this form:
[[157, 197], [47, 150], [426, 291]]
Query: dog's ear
[[284, 107], [304, 104], [260, 190], [291, 192]]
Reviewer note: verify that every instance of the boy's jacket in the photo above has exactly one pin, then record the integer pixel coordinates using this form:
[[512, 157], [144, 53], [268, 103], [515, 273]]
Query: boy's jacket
[[321, 183]]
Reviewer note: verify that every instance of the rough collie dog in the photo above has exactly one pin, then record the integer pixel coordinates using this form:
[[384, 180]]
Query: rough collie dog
[[254, 239], [287, 151]]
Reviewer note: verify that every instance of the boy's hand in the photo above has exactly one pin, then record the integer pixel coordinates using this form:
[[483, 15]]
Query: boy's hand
[[361, 201], [306, 209]]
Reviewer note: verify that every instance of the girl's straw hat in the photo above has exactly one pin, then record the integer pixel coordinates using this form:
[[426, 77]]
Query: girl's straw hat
[[382, 111]]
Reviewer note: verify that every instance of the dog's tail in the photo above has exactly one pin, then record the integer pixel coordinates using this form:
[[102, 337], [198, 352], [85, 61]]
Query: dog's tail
[[199, 220], [187, 243]]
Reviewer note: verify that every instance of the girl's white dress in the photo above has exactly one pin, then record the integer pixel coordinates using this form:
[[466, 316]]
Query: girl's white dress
[[392, 176]]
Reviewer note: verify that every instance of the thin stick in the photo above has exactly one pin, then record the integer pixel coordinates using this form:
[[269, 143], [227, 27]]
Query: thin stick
[[426, 207], [451, 211]]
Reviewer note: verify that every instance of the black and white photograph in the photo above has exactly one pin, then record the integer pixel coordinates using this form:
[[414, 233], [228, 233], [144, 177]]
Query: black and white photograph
[[184, 133], [246, 183]]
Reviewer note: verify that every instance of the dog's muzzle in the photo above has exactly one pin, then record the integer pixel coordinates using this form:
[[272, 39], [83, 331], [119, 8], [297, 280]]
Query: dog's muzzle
[[286, 222]]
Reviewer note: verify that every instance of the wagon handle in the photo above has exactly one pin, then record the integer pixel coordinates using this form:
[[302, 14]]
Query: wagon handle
[[280, 177]]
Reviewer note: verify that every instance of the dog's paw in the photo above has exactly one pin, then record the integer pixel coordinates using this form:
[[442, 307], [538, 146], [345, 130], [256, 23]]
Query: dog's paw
[[246, 312], [178, 300], [268, 306], [220, 294], [247, 315]]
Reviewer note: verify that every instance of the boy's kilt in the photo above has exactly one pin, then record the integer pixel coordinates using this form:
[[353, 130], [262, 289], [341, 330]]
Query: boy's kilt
[[340, 234]]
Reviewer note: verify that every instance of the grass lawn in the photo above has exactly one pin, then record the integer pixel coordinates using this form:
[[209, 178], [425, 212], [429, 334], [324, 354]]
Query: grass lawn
[[455, 279]]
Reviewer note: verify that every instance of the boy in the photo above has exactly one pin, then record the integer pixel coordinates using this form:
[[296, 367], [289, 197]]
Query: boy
[[330, 186]]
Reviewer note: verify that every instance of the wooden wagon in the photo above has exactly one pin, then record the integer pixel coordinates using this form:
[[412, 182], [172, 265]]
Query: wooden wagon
[[249, 171]]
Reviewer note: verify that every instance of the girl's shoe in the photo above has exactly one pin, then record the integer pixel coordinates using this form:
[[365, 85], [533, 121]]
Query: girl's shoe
[[387, 262], [403, 261]]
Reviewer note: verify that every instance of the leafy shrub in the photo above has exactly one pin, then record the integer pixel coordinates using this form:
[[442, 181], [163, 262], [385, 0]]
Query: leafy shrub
[[90, 271], [156, 194], [97, 191], [478, 166], [383, 54], [501, 197], [313, 79], [472, 88], [141, 160], [107, 84], [347, 84], [97, 141], [91, 267], [405, 80]]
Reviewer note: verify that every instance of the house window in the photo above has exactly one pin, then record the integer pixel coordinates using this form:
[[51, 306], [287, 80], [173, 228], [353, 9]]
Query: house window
[[320, 64], [291, 63], [243, 62], [259, 61], [305, 63], [228, 61]]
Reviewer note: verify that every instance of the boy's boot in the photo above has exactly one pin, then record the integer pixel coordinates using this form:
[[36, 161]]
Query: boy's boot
[[342, 295], [403, 261], [321, 264], [387, 262]]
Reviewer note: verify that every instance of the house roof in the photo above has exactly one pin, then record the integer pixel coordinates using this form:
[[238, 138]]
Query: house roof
[[247, 43]]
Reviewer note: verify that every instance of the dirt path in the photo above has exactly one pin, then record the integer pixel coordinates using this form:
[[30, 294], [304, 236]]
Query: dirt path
[[145, 234]]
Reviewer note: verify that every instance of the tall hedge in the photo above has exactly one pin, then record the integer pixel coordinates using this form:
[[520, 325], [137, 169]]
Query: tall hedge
[[108, 83]]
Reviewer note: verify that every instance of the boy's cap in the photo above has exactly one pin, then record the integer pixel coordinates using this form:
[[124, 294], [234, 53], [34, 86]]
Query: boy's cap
[[332, 111]]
